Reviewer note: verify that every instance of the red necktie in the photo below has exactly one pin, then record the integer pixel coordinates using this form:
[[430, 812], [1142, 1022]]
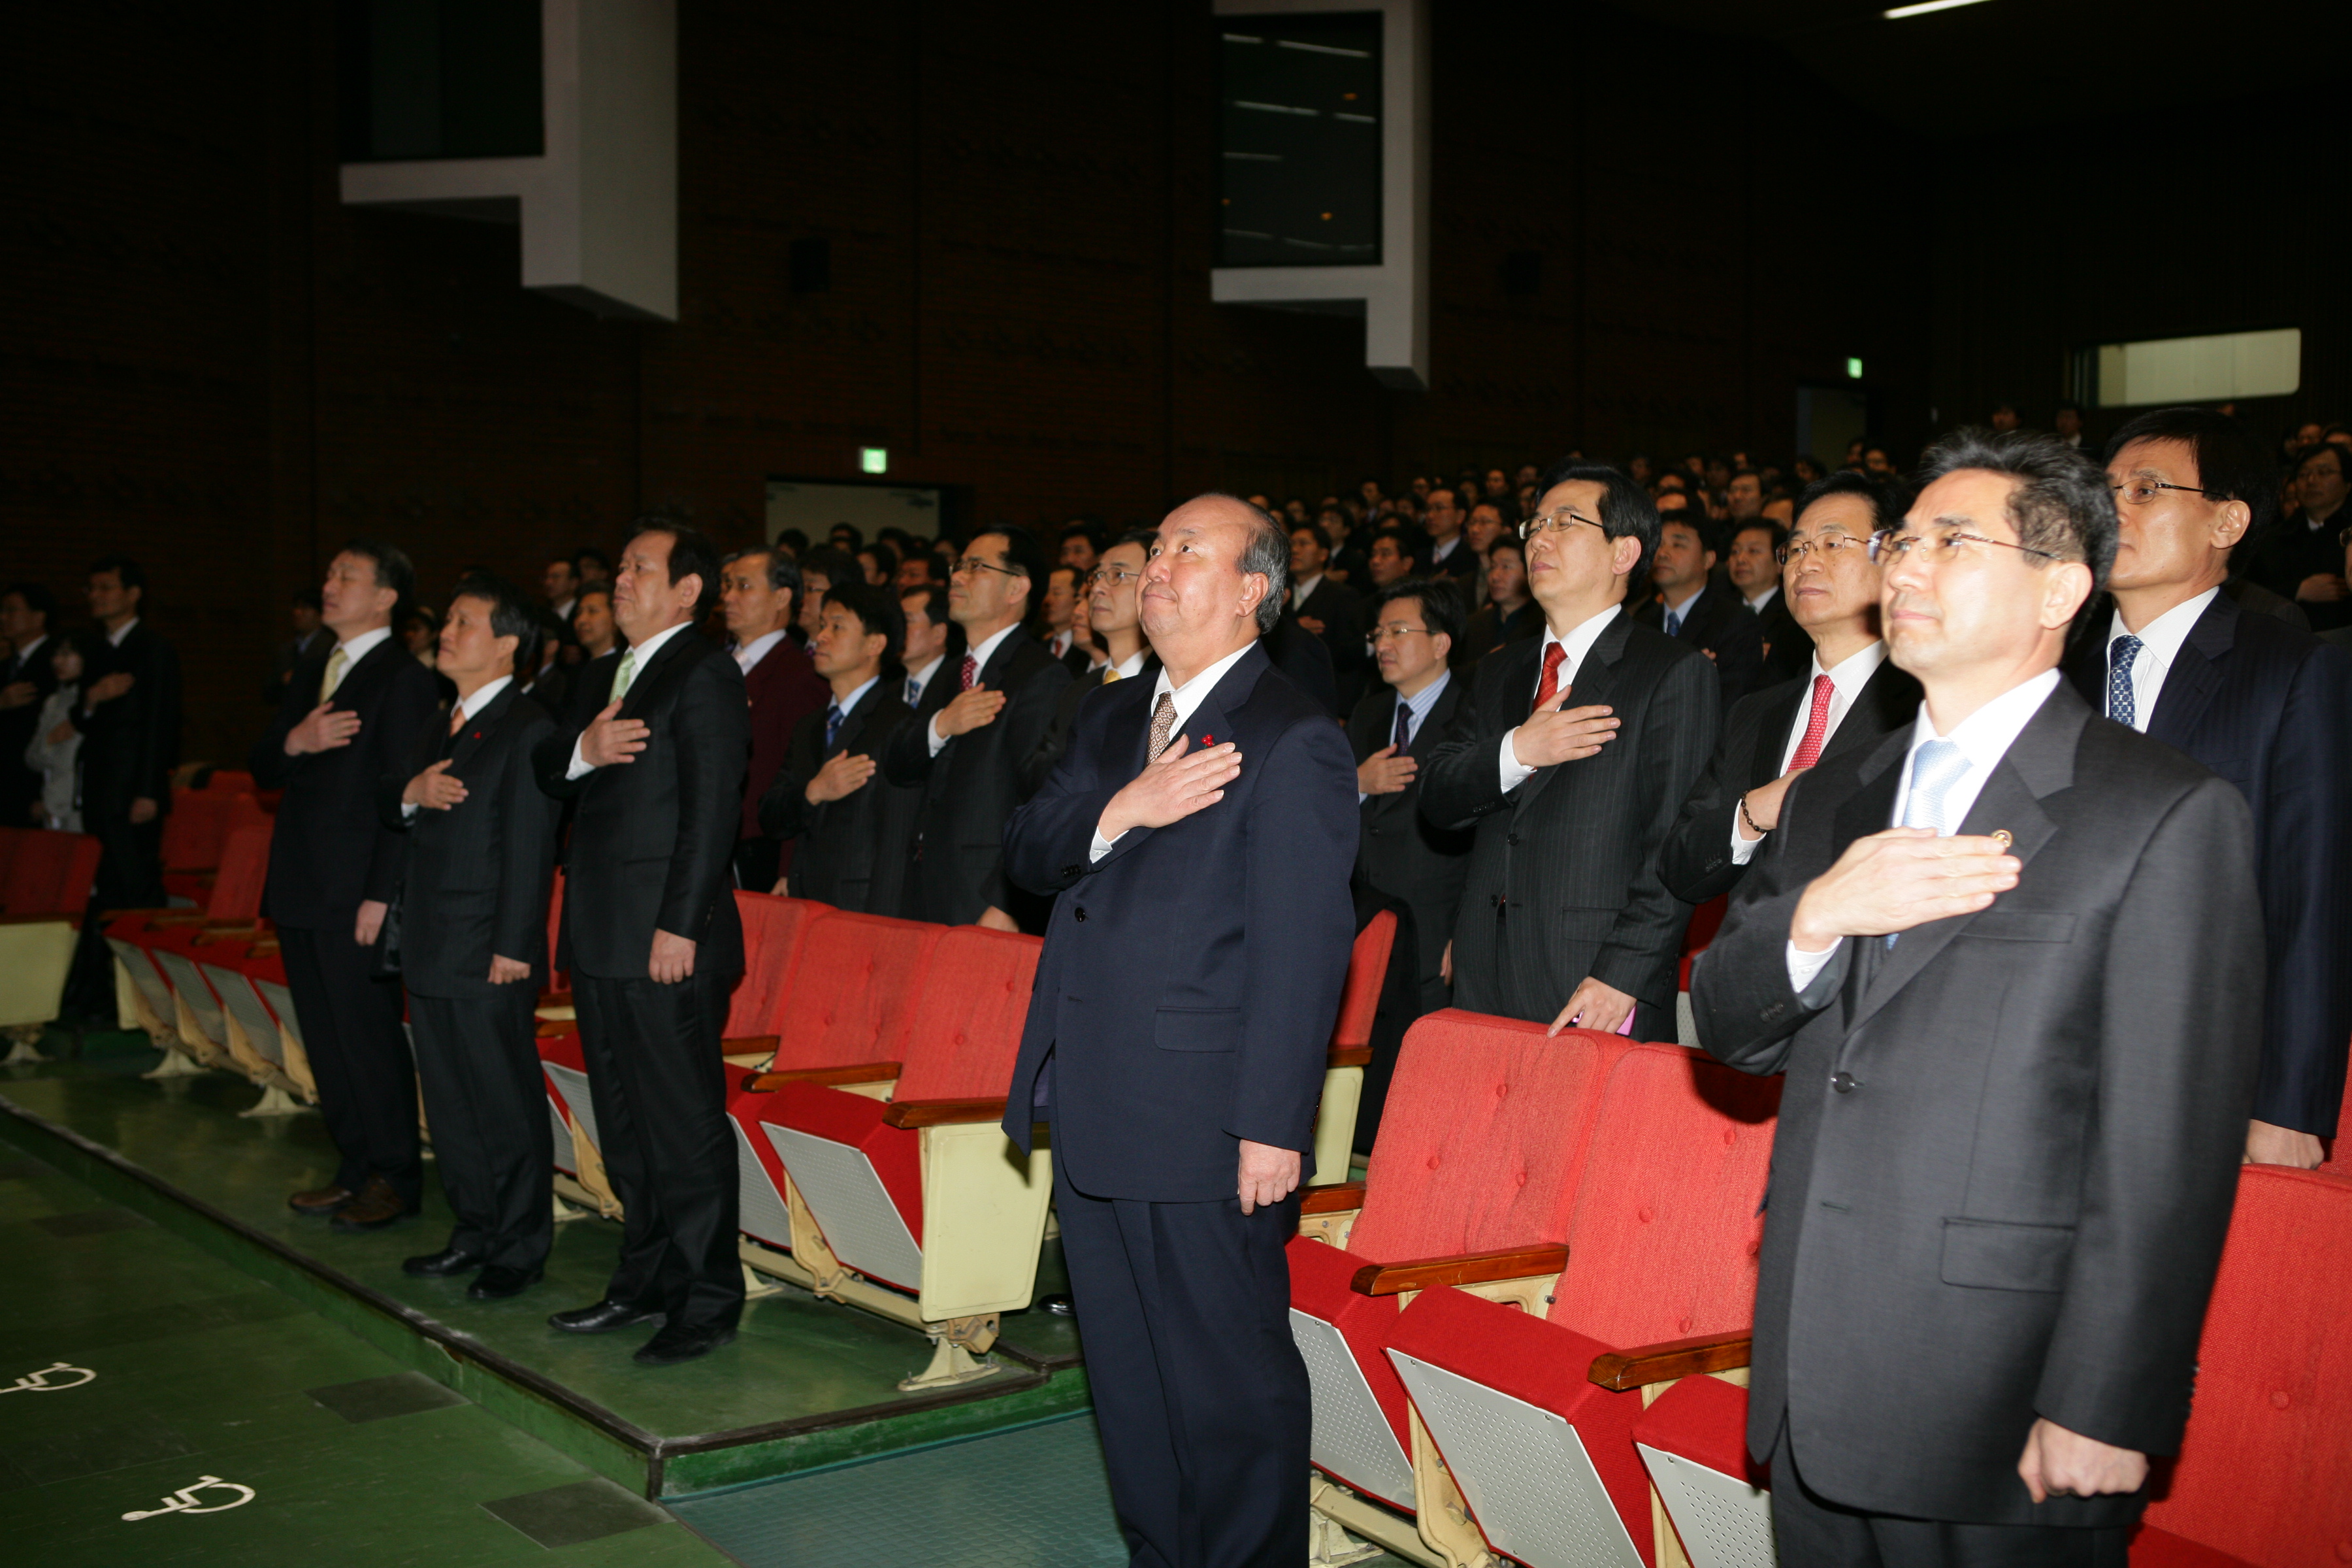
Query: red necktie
[[1817, 724], [971, 672], [1554, 656]]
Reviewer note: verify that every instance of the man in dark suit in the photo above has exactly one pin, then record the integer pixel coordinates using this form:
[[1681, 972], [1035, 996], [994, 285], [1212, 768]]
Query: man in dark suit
[[974, 731], [1198, 833], [1563, 916], [1708, 615], [2303, 558], [351, 715], [26, 681], [130, 720], [2020, 1027], [1753, 567], [1849, 698], [2266, 707], [480, 854], [1329, 610], [302, 610], [654, 944], [1393, 731], [1450, 554], [1059, 609], [760, 593], [1116, 618], [851, 832]]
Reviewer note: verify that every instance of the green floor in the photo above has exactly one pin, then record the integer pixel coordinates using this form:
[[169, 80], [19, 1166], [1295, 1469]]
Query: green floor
[[203, 1371], [778, 1400]]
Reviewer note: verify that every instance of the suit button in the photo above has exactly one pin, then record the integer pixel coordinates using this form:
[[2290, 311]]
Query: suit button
[[1080, 914], [1512, 839], [1843, 1083], [1074, 870]]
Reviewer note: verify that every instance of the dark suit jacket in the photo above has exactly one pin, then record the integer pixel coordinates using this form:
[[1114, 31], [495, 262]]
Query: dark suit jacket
[[852, 853], [1787, 647], [2009, 1199], [784, 689], [1190, 977], [330, 849], [1572, 853], [1041, 762], [1342, 610], [20, 787], [1489, 629], [653, 840], [2293, 550], [474, 878], [971, 787], [1719, 623], [1403, 853], [1303, 657], [130, 746], [2270, 709], [1697, 863]]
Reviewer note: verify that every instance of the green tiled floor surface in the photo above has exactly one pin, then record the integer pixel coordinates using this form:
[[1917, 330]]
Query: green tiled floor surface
[[134, 1365], [799, 1362]]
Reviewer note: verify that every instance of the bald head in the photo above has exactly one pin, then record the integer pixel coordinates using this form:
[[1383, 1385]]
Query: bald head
[[1214, 582]]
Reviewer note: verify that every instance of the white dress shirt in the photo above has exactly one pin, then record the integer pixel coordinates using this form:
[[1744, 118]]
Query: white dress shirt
[[354, 650], [1303, 589], [2160, 645], [114, 638], [1764, 598], [748, 657], [1188, 698], [25, 655], [980, 657], [485, 694], [1984, 737], [1445, 550], [1059, 643], [1846, 681], [581, 766], [855, 697], [1682, 610], [921, 679], [1578, 642], [1132, 665]]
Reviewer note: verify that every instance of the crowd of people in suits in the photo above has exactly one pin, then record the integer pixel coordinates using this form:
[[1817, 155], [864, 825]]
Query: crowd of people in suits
[[1577, 703]]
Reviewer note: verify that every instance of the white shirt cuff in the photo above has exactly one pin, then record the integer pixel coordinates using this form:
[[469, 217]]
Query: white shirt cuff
[[932, 733], [407, 812], [1743, 850], [1101, 846], [579, 768], [1805, 967], [1514, 773]]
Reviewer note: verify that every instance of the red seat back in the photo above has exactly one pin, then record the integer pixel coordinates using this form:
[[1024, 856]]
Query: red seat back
[[1485, 1130], [853, 990], [2265, 1466], [965, 1028], [11, 839], [194, 830], [773, 931], [47, 873], [1368, 967], [244, 869], [1667, 1223], [229, 783]]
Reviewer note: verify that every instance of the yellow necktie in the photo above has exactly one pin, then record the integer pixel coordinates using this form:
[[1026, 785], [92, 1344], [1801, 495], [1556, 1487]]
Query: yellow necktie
[[623, 676], [334, 676], [1110, 674]]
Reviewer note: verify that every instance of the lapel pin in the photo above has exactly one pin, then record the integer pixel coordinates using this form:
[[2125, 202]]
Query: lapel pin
[[1208, 740], [2000, 836]]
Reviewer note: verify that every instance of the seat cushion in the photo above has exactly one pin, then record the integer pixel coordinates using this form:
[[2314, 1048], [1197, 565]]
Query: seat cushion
[[2154, 1548]]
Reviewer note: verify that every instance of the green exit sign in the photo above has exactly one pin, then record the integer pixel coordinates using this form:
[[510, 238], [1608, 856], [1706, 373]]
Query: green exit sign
[[1853, 369], [877, 460]]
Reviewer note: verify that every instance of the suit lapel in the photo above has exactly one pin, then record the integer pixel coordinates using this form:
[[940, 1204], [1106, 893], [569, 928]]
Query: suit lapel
[[2195, 676], [658, 671], [1596, 679], [1432, 728], [1772, 739], [1885, 703], [479, 729]]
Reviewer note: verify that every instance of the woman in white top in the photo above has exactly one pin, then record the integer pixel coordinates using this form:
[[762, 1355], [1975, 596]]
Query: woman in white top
[[56, 750]]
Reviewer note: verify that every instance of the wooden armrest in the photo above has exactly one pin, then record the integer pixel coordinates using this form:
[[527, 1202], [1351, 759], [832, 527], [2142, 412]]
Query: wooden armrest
[[555, 999], [549, 1028], [1671, 1359], [1467, 1268], [744, 1044], [262, 948], [73, 920], [159, 919], [1349, 1057], [941, 1112], [862, 1072], [228, 930], [1332, 1197]]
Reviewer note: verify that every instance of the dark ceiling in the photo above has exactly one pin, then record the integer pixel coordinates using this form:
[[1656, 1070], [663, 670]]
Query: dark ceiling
[[2004, 64]]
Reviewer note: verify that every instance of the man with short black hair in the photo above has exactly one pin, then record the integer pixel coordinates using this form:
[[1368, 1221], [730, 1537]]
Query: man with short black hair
[[929, 631], [26, 681], [1326, 608], [1754, 568], [1393, 557], [478, 858], [1692, 607], [1441, 515], [302, 611], [1117, 618], [758, 593], [351, 715], [2266, 706], [2303, 559], [1059, 609], [653, 943], [1081, 545], [560, 583], [1743, 496], [819, 570]]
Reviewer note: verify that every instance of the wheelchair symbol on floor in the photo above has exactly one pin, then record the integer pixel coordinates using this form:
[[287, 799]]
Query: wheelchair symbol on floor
[[184, 1500], [38, 1382]]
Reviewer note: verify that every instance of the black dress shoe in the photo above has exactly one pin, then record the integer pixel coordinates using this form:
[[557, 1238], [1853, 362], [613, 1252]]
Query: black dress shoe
[[601, 1319], [672, 1346], [441, 1265], [496, 1284]]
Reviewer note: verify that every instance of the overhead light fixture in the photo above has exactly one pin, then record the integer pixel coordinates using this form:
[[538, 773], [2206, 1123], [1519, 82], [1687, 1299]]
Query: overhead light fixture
[[1899, 12], [874, 459]]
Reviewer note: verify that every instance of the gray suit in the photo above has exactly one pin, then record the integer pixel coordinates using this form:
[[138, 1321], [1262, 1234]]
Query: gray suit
[[2008, 1146]]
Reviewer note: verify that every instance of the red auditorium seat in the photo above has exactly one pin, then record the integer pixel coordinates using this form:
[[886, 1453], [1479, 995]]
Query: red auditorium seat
[[156, 951], [45, 883], [1351, 1049], [197, 832], [1661, 1250]]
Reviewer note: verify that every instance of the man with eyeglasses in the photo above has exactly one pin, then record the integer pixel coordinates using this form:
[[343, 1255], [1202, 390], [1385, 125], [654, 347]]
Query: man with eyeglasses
[[2267, 707], [973, 732], [1111, 611], [2009, 962], [1754, 567], [1568, 757], [1850, 697], [2304, 558], [1394, 732]]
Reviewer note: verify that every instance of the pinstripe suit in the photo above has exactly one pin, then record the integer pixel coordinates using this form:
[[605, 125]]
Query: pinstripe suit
[[1563, 879]]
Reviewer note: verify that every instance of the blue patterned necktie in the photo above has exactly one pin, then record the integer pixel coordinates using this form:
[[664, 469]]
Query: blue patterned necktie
[[2121, 654], [831, 724], [1935, 767], [1674, 623], [914, 691]]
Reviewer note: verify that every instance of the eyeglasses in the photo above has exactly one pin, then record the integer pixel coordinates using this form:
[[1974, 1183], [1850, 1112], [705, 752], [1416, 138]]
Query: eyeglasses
[[2139, 492], [1114, 575], [972, 564], [1396, 633], [1938, 549], [1558, 522], [1829, 544]]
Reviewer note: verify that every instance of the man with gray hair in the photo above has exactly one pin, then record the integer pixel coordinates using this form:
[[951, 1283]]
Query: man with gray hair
[[1199, 830]]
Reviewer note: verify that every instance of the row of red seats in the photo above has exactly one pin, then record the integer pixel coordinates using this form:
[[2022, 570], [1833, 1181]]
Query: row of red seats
[[45, 882]]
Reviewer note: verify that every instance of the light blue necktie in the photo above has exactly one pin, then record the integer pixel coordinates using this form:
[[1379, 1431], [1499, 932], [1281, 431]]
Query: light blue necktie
[[1935, 767], [2121, 654], [914, 691]]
